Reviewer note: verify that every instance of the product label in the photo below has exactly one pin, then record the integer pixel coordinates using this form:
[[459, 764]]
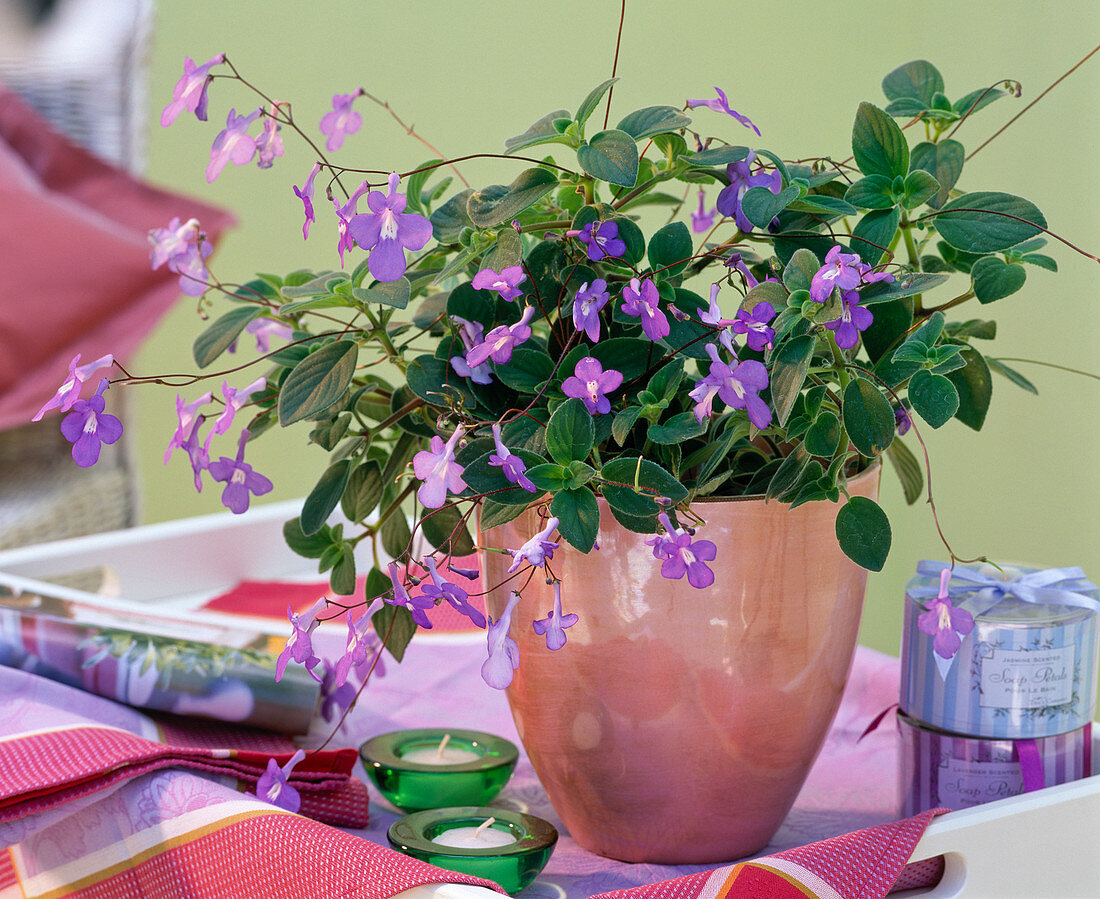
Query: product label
[[964, 783], [1027, 678]]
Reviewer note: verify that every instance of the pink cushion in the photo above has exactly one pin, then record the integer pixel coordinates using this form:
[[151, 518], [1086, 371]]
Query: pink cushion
[[75, 275]]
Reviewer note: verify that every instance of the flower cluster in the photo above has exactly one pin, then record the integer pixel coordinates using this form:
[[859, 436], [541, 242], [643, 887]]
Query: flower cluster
[[558, 352]]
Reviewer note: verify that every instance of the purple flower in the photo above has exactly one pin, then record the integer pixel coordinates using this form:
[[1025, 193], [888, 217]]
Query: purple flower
[[736, 384], [440, 589], [190, 90], [232, 143], [682, 555], [735, 264], [240, 480], [273, 787], [741, 179], [506, 283], [554, 624], [852, 320], [87, 427], [902, 420], [335, 700], [197, 453], [341, 121], [601, 238], [643, 300], [362, 645], [943, 622], [538, 550], [269, 144], [500, 342], [515, 469], [840, 270], [701, 220], [299, 645], [69, 392], [754, 325], [471, 334], [234, 400], [263, 329], [497, 670], [590, 384], [417, 605], [587, 305], [721, 104], [387, 231], [305, 194], [180, 247], [185, 422], [713, 316], [344, 214], [439, 471]]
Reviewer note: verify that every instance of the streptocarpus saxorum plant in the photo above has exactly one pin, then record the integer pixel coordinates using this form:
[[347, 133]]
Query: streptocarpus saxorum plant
[[550, 344]]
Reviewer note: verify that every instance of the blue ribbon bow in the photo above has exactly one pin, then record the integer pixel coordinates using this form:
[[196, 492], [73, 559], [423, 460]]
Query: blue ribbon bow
[[980, 592]]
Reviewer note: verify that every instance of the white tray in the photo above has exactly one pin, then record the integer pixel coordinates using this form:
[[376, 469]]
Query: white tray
[[1034, 845]]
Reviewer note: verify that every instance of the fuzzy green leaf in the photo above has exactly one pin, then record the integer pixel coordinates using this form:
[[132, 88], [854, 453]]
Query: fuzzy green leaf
[[578, 517], [868, 417], [610, 156], [317, 381], [863, 531], [218, 336]]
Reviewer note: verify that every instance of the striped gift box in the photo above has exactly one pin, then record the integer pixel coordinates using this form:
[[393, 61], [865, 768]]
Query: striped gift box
[[937, 769]]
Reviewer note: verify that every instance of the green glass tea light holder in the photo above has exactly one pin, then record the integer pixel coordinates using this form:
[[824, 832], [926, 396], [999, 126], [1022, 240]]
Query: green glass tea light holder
[[433, 768], [507, 847]]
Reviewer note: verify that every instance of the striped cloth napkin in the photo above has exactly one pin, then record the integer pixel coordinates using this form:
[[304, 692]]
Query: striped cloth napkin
[[864, 864], [58, 744]]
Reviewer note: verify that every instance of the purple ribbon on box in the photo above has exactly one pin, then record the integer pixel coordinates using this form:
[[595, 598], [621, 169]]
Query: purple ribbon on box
[[981, 592]]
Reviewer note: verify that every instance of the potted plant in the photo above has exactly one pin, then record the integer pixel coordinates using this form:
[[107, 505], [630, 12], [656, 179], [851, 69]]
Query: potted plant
[[590, 366]]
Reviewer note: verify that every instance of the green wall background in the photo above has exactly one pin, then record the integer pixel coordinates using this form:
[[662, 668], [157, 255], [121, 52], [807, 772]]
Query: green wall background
[[470, 74]]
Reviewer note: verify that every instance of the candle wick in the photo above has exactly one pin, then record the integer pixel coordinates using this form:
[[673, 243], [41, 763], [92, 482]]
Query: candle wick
[[443, 744], [488, 822]]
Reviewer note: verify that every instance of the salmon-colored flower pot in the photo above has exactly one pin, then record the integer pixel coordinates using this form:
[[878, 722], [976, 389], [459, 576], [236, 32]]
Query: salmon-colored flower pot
[[677, 725]]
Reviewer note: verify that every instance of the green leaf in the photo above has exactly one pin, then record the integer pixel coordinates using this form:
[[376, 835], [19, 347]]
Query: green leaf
[[310, 546], [908, 470], [499, 203], [450, 218], [919, 188], [216, 339], [610, 156], [874, 233], [680, 427], [324, 496], [317, 381], [395, 627], [650, 479], [903, 286], [917, 80], [363, 491], [328, 434], [943, 161], [653, 120], [975, 388], [549, 476], [868, 417], [823, 437], [1014, 376], [494, 513], [1040, 260], [798, 275], [878, 143], [395, 534], [570, 432], [508, 251], [342, 578], [541, 132], [822, 204], [760, 205], [578, 517], [789, 367], [717, 156], [631, 235], [994, 279], [863, 532], [392, 293], [434, 382], [320, 286], [934, 398], [979, 99], [526, 370], [789, 472], [988, 221], [588, 105], [440, 524], [670, 249], [872, 192], [332, 301], [623, 422]]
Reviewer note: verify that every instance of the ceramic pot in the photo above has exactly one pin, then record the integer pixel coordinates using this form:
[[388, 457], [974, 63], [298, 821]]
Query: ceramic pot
[[677, 725]]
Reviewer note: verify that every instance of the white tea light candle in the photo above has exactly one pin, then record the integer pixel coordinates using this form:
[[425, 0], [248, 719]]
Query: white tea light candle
[[484, 836], [440, 755]]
